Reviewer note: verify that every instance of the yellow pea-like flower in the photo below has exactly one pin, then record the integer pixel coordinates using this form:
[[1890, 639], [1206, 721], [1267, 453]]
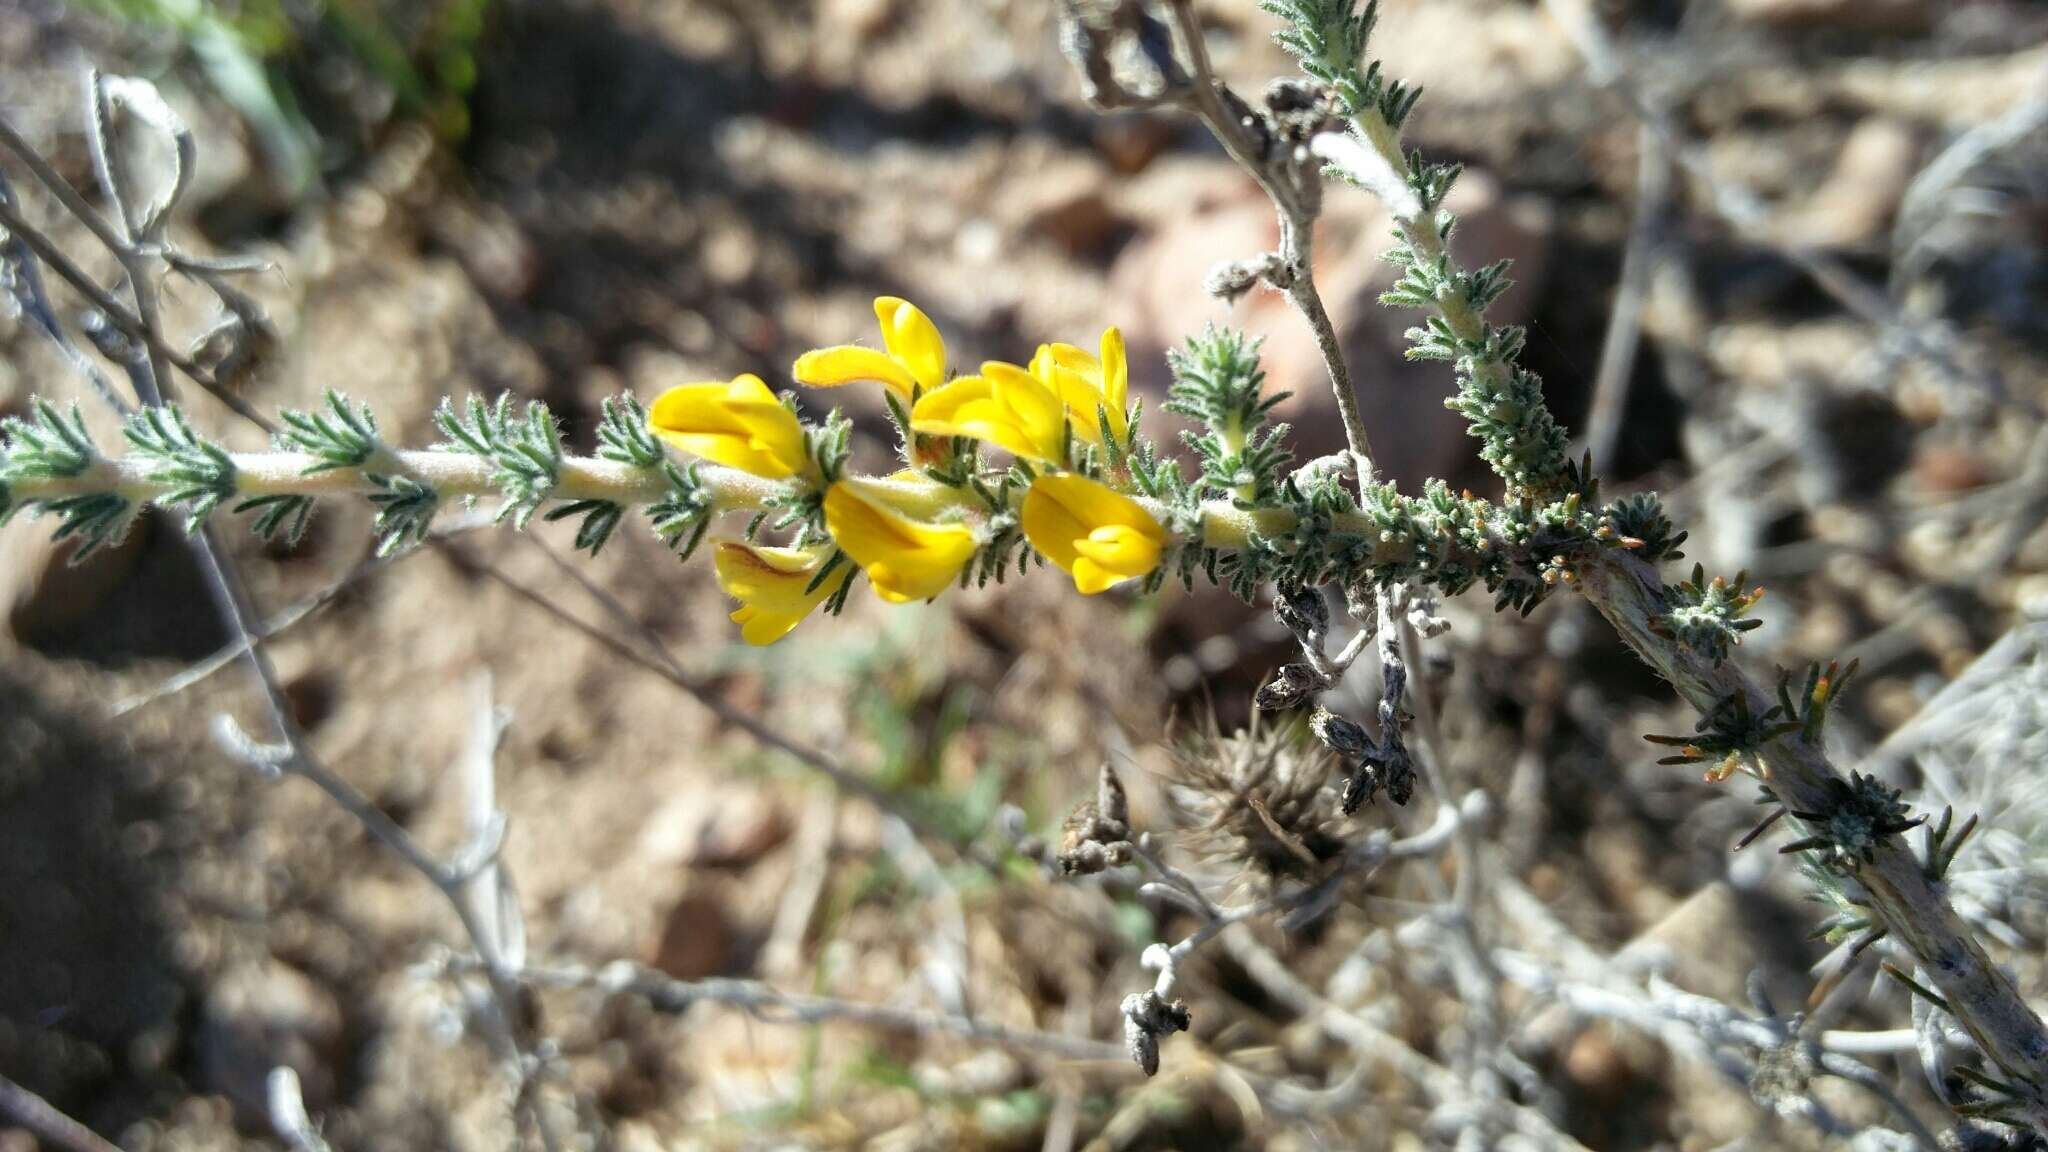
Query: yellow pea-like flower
[[1005, 406], [740, 424], [773, 586], [1094, 533], [905, 559], [913, 358], [1086, 383]]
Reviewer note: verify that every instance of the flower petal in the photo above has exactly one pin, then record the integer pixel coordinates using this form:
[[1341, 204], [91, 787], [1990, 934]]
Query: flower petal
[[1032, 409], [739, 424], [913, 340], [905, 559], [1075, 392], [1078, 360], [1087, 386], [1116, 375], [832, 367], [773, 586], [963, 407], [1120, 547], [1092, 579], [1096, 534], [1051, 526], [1110, 555]]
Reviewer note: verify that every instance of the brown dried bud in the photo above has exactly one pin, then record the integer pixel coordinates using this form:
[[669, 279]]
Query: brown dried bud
[[1109, 797], [1304, 612], [1360, 787], [1089, 857], [1293, 95], [1341, 736], [1228, 280], [1291, 687], [1147, 1017], [1097, 836], [1400, 774], [1388, 768]]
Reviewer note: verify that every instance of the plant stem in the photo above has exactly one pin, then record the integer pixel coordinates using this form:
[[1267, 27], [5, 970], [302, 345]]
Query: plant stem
[[1297, 200], [1628, 593], [457, 476]]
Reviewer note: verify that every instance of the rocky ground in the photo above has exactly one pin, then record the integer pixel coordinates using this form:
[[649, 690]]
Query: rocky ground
[[649, 193]]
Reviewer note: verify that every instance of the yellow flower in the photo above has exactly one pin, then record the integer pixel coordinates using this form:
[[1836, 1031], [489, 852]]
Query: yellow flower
[[741, 425], [1085, 383], [915, 360], [1005, 406], [905, 559], [1096, 534], [773, 586]]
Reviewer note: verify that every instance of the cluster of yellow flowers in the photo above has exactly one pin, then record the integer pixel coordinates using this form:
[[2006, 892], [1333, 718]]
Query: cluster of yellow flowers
[[914, 535]]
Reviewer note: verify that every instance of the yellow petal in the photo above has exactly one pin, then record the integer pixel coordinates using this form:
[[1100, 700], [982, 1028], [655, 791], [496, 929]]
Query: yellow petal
[[1077, 360], [1084, 384], [1116, 375], [913, 340], [905, 559], [1051, 526], [1078, 396], [773, 586], [739, 424], [963, 407], [973, 406], [1034, 410], [1096, 534], [832, 367], [1112, 554]]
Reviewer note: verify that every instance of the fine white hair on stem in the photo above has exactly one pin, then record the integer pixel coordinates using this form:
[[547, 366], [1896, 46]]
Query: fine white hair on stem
[[1363, 165]]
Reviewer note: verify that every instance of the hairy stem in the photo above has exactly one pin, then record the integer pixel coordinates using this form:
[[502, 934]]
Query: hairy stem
[[1628, 593], [456, 476]]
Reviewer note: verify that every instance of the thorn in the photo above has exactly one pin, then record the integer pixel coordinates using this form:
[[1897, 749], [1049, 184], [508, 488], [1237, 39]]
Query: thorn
[[1760, 829], [1914, 986]]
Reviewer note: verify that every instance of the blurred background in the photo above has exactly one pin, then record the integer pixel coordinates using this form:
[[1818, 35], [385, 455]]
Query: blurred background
[[1795, 277]]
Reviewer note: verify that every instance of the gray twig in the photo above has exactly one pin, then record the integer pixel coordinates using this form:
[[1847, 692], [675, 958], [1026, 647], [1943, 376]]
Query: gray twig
[[46, 1123], [1625, 321], [763, 1002]]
